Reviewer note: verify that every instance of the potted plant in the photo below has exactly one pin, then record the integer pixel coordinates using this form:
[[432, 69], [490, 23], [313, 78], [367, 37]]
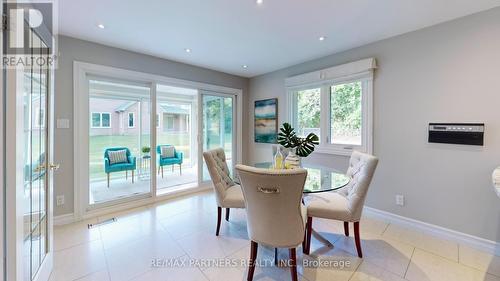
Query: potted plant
[[299, 147], [146, 150]]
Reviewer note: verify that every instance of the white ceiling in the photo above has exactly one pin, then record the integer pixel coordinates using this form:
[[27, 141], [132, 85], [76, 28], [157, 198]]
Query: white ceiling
[[226, 34]]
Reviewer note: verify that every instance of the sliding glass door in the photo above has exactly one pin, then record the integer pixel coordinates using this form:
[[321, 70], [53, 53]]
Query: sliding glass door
[[176, 129], [217, 126], [119, 140]]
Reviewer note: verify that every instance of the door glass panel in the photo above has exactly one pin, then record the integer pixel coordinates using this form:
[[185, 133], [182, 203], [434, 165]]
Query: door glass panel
[[115, 148], [175, 109], [35, 163], [218, 127]]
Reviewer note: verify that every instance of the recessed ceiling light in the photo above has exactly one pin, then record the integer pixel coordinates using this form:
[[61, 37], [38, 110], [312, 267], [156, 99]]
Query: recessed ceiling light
[[244, 66], [187, 50], [322, 38], [101, 26], [259, 2]]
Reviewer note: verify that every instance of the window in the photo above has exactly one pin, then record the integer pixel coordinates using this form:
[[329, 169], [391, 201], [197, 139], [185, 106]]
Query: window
[[157, 120], [308, 112], [336, 105], [100, 120], [131, 120], [169, 122], [345, 113]]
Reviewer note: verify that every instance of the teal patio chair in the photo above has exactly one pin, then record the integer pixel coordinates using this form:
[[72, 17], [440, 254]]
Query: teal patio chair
[[164, 161], [130, 165]]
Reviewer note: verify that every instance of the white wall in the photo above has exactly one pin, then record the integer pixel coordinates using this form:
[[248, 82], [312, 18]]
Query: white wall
[[445, 73], [71, 50]]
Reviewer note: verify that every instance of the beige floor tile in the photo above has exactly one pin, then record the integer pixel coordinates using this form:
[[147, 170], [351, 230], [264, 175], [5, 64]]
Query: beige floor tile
[[479, 260], [426, 266], [128, 229], [438, 246], [387, 253], [136, 258], [329, 264], [102, 275], [79, 261], [207, 245], [124, 214], [369, 225], [224, 274], [371, 272], [172, 274], [70, 235], [190, 222]]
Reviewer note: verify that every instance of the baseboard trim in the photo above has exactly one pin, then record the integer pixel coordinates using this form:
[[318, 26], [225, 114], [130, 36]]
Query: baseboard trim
[[479, 243], [64, 219]]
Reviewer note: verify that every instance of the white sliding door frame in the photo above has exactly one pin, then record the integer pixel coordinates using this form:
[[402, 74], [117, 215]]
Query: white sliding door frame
[[81, 72], [237, 130]]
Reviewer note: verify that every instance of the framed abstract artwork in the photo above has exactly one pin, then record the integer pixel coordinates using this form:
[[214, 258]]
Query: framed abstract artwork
[[266, 121]]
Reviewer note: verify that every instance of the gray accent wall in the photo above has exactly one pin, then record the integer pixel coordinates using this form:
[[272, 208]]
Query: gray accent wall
[[70, 50], [445, 73]]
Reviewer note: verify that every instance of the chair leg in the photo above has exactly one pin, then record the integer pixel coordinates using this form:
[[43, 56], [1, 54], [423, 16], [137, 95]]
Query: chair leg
[[253, 257], [132, 176], [161, 171], [304, 243], [227, 214], [346, 228], [309, 232], [159, 168], [108, 179], [172, 168], [293, 264], [357, 239], [180, 169], [219, 215], [126, 175]]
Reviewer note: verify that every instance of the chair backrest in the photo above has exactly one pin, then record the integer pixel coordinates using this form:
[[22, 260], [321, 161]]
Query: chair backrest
[[106, 155], [361, 169], [273, 202], [158, 147], [219, 172]]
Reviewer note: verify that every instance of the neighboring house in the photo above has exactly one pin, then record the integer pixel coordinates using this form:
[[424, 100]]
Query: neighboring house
[[119, 117]]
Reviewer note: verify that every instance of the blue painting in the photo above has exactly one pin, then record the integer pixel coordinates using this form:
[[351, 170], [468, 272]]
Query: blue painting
[[266, 121]]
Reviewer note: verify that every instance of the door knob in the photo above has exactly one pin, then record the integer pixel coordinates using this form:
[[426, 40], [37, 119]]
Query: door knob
[[54, 167]]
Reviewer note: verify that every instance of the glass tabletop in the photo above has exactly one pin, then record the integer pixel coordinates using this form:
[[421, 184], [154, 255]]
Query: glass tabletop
[[319, 178]]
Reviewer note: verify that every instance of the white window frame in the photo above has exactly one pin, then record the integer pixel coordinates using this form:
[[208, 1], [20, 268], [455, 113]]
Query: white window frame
[[133, 120], [100, 120], [361, 71]]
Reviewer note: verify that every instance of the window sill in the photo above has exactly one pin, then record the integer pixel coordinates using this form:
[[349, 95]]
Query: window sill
[[338, 150]]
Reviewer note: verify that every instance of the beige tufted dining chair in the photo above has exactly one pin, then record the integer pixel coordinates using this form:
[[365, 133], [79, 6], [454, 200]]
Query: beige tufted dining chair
[[276, 216], [347, 204], [227, 193]]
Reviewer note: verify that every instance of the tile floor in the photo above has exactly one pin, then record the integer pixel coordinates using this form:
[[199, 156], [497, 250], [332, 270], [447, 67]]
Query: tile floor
[[183, 230]]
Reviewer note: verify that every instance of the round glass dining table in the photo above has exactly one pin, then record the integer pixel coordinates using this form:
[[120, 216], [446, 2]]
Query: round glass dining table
[[319, 178]]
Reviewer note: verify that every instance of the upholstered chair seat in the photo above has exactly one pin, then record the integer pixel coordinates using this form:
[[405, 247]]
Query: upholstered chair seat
[[329, 205], [276, 216], [233, 197], [347, 204], [228, 194]]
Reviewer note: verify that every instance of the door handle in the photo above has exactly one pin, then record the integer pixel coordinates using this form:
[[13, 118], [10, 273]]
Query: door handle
[[54, 167]]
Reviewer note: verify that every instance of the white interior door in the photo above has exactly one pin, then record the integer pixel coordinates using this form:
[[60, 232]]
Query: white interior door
[[29, 101]]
